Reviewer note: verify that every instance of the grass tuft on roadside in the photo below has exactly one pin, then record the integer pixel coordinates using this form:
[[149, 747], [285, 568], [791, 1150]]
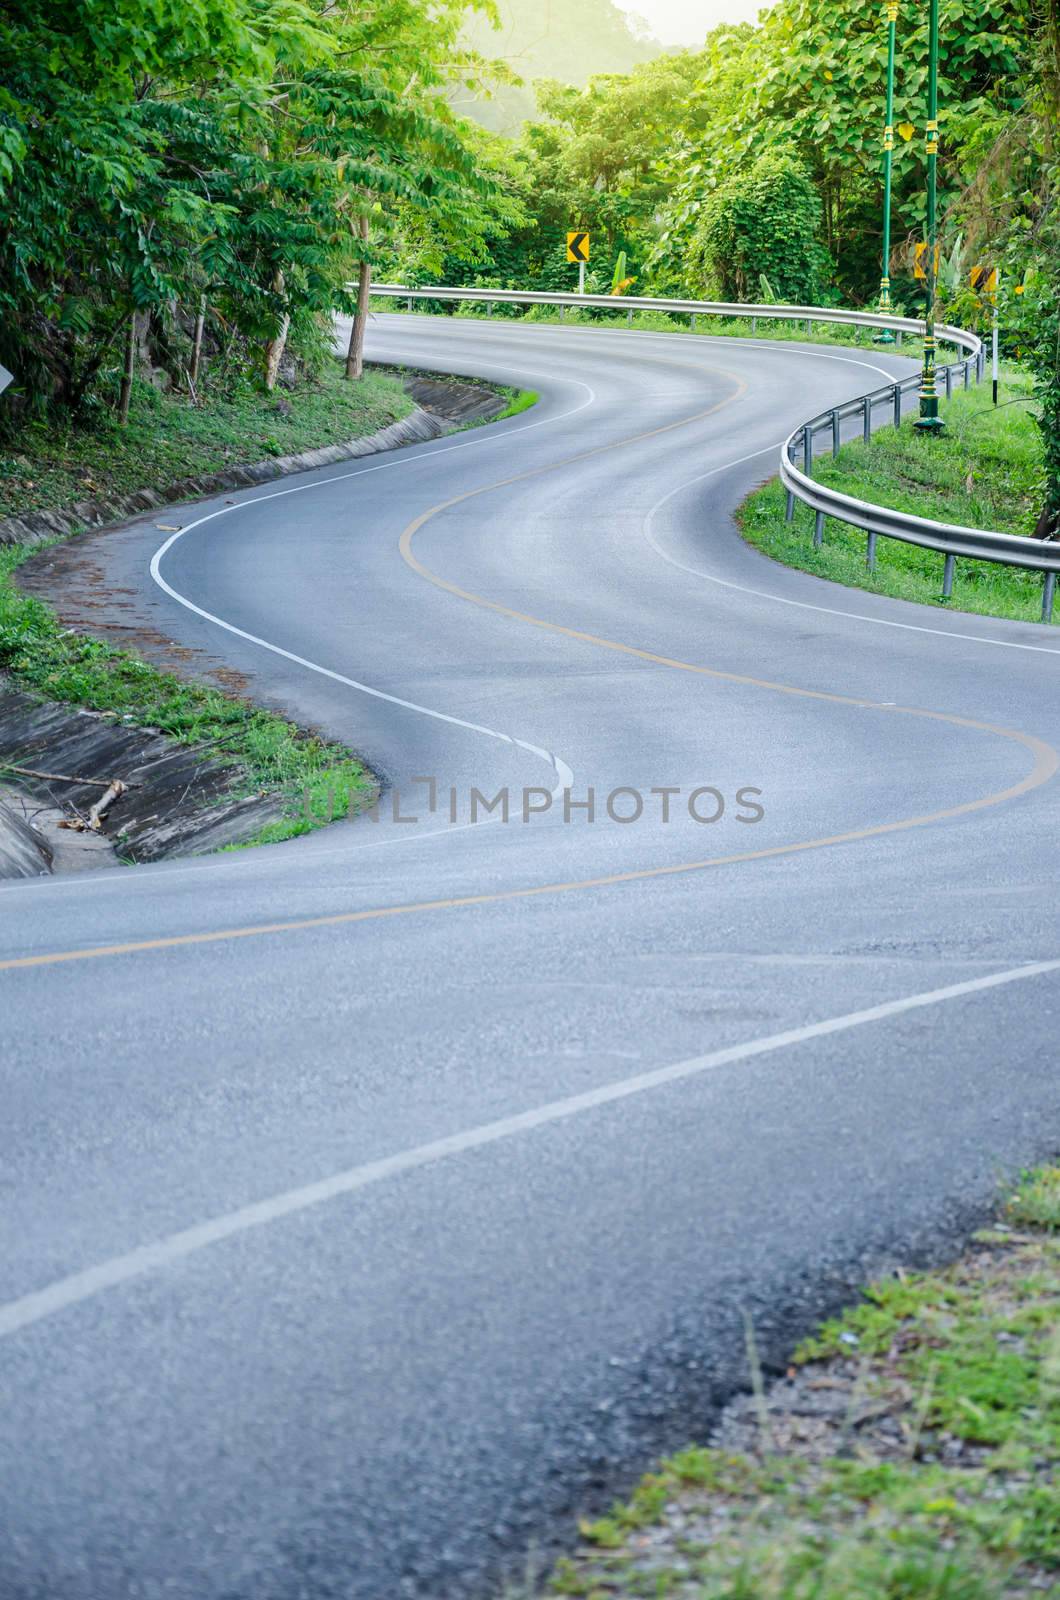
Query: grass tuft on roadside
[[985, 471], [48, 464], [519, 400], [911, 1453]]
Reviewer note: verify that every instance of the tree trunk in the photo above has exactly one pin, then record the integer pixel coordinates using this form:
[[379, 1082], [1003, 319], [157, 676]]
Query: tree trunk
[[196, 348], [125, 394], [275, 348], [1048, 524], [355, 352]]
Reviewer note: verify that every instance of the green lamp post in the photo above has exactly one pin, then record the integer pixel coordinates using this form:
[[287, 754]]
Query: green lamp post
[[929, 421], [884, 336]]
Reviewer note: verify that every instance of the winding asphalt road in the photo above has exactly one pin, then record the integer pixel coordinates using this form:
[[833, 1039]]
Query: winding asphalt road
[[375, 1203]]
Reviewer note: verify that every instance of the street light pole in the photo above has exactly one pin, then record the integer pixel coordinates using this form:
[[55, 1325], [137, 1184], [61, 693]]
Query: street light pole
[[929, 420], [884, 336]]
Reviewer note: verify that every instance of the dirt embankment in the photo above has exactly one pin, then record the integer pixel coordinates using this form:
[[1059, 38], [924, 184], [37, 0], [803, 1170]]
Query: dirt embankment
[[175, 799]]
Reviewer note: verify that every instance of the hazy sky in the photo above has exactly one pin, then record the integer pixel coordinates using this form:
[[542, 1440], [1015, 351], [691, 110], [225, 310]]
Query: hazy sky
[[688, 21]]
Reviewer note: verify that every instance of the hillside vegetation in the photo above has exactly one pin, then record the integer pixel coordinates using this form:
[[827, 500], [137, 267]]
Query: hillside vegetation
[[191, 193]]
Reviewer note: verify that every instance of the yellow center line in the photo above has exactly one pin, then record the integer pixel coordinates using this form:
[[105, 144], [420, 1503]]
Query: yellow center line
[[1045, 762]]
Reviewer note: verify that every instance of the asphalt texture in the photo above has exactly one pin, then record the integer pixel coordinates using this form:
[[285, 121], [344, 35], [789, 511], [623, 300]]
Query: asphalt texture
[[355, 1237]]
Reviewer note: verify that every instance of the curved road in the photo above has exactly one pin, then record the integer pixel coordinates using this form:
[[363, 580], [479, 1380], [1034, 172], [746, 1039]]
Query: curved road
[[376, 1202]]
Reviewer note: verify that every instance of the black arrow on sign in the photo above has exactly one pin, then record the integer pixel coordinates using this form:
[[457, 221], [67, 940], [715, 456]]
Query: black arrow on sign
[[577, 247]]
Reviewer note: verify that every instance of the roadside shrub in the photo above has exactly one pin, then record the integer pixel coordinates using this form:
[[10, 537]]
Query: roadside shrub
[[765, 221]]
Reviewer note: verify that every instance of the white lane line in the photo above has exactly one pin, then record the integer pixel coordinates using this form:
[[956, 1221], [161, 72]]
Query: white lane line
[[807, 605], [560, 767], [564, 775], [80, 1286]]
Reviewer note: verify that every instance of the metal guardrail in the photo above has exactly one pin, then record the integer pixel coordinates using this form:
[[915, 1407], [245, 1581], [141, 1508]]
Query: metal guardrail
[[951, 540], [629, 303]]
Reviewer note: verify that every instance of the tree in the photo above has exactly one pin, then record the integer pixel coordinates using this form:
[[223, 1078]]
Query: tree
[[810, 82], [174, 174], [765, 221]]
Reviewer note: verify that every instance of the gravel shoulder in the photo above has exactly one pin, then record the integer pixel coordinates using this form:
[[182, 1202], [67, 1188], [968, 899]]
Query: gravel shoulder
[[909, 1452]]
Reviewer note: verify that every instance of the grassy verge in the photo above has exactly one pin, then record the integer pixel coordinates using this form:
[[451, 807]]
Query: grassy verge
[[771, 328], [321, 781], [912, 1453], [519, 400], [985, 472], [46, 465]]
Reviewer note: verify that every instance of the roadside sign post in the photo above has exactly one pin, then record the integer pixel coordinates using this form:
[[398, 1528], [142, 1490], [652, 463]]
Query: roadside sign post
[[884, 336], [986, 281], [929, 421], [578, 251]]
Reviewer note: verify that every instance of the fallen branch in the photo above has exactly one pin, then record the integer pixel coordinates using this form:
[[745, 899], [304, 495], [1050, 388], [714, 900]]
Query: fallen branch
[[97, 812], [58, 777]]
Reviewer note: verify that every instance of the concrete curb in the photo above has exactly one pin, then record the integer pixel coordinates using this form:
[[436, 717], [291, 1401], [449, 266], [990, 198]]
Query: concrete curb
[[23, 851], [35, 527]]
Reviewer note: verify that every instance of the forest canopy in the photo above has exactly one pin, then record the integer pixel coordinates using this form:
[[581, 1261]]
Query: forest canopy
[[201, 187]]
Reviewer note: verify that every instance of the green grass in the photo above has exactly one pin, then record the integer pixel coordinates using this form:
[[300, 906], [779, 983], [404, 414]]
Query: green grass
[[959, 1500], [516, 401], [46, 465], [986, 471], [320, 781], [519, 400]]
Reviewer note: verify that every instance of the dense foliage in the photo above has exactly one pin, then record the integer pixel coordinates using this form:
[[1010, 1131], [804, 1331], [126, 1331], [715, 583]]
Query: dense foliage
[[192, 188], [759, 233], [753, 168], [208, 172]]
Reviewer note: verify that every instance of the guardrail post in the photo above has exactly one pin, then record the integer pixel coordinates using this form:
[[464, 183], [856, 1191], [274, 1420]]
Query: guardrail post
[[807, 450], [489, 308], [809, 328], [870, 552], [693, 322], [835, 433], [629, 319], [898, 339], [818, 530], [949, 383], [866, 428], [1047, 596], [408, 306], [789, 509], [754, 325], [896, 395], [948, 568]]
